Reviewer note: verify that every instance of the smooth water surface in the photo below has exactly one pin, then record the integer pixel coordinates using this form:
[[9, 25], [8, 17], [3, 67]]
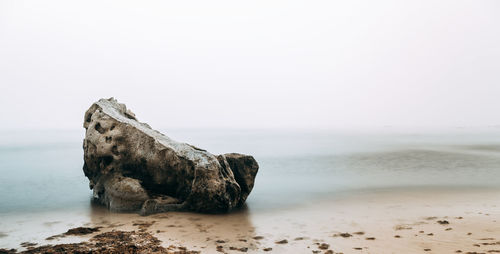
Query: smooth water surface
[[42, 170]]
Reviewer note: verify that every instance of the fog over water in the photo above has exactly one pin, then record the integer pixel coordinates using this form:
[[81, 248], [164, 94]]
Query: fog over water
[[261, 64], [332, 98], [296, 168]]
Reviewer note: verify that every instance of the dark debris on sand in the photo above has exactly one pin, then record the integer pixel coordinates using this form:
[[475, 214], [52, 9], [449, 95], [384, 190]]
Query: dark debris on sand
[[143, 225], [284, 241], [242, 249], [75, 231], [324, 246], [82, 231], [114, 242], [345, 235], [7, 251], [28, 245]]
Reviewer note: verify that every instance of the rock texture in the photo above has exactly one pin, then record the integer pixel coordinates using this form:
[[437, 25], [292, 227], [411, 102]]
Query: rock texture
[[132, 167]]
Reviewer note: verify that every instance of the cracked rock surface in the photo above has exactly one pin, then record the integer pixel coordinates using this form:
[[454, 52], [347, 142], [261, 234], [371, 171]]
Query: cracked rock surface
[[132, 167]]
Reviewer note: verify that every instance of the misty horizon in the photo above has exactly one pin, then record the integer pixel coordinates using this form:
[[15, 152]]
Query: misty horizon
[[329, 65]]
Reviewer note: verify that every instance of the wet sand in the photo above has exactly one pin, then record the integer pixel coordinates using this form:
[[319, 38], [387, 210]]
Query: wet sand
[[375, 221]]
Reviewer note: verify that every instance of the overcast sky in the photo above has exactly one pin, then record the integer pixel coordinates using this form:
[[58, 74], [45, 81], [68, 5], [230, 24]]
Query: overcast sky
[[252, 64]]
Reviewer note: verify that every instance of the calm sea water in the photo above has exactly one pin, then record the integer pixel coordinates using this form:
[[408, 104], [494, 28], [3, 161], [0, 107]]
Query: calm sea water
[[42, 170]]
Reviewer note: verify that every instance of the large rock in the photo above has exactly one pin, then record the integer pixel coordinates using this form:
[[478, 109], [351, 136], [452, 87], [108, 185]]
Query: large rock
[[132, 167]]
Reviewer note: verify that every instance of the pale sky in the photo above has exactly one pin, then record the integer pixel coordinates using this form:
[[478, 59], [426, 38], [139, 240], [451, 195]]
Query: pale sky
[[252, 64]]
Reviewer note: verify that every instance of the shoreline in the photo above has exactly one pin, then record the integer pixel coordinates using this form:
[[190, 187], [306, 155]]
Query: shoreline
[[408, 221]]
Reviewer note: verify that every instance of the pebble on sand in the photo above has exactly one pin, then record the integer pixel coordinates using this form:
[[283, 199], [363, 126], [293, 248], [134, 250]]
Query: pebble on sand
[[324, 246], [443, 222]]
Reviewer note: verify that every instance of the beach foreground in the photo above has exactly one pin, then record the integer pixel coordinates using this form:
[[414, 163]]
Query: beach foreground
[[430, 220]]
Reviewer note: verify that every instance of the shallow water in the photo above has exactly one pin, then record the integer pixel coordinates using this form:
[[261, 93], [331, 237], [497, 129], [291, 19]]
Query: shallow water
[[43, 190], [42, 170]]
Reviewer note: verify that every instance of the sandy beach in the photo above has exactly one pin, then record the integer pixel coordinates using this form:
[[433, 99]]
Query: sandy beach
[[433, 220]]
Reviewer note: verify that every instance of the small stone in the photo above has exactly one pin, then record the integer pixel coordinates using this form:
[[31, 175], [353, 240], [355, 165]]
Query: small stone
[[324, 246], [443, 222], [243, 249]]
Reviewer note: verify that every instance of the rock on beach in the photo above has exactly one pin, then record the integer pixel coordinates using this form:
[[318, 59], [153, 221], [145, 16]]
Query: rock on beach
[[132, 167]]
